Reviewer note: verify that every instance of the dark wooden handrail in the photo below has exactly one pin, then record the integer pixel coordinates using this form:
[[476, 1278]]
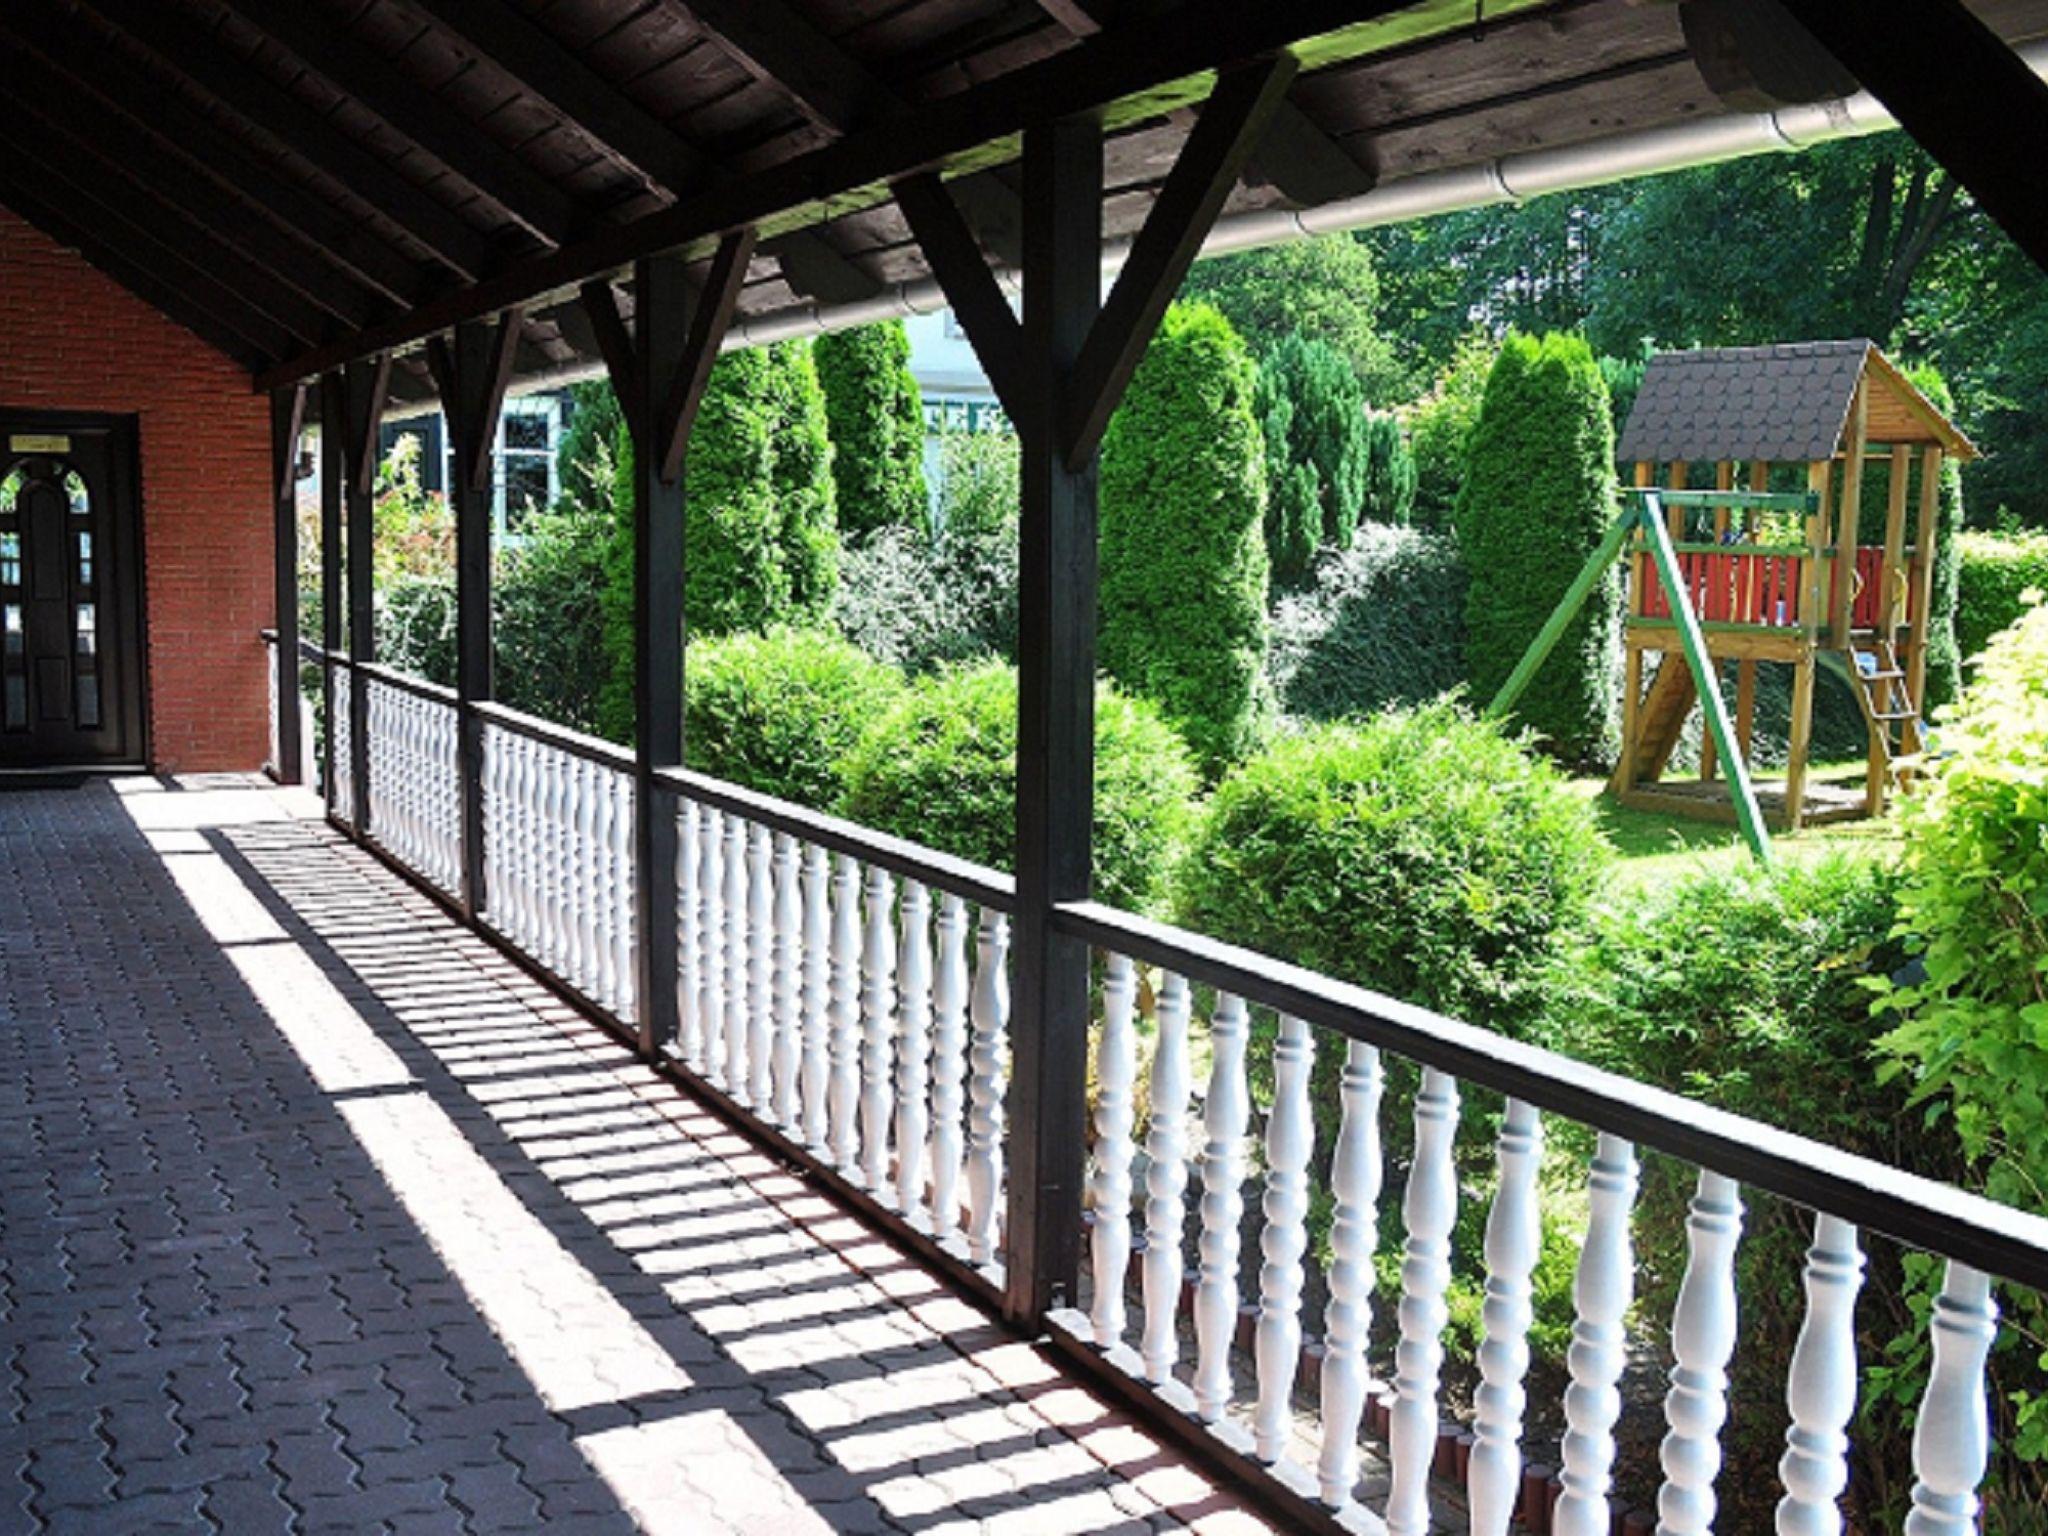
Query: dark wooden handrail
[[1919, 1212], [596, 749], [962, 877], [405, 682]]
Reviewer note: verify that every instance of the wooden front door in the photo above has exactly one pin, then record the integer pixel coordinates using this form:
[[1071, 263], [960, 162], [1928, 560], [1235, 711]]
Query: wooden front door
[[71, 672]]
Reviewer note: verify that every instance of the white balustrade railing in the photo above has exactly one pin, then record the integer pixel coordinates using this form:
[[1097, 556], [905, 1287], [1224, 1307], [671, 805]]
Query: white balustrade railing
[[558, 855], [1168, 1203], [415, 779], [341, 737], [861, 1015], [275, 761]]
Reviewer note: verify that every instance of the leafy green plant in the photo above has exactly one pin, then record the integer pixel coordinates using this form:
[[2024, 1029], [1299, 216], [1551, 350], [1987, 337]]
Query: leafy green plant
[[1389, 471], [1538, 496], [1326, 291], [1184, 571], [876, 418], [1294, 498], [779, 712], [1995, 572], [548, 598], [416, 627], [1328, 430], [1440, 430], [1382, 624], [940, 768]]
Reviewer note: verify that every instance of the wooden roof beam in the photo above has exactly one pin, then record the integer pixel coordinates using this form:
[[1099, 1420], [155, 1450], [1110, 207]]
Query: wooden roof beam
[[240, 86], [774, 42], [178, 129], [527, 51], [332, 51]]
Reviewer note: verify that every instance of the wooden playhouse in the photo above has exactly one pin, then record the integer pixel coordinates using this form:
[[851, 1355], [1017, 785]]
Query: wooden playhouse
[[1829, 583]]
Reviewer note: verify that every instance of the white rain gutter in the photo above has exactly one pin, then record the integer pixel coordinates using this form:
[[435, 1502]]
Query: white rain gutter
[[1512, 178]]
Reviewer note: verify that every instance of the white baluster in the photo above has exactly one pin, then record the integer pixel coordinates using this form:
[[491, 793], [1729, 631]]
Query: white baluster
[[1290, 1139], [520, 877], [761, 972], [1429, 1208], [561, 887], [788, 941], [711, 942], [1355, 1174], [590, 944], [733, 912], [913, 1048], [949, 1065], [621, 885], [1225, 1117], [596, 853], [817, 995], [1702, 1338], [878, 1024], [1166, 1180], [990, 1013], [1514, 1236], [689, 988], [842, 1100], [1109, 1190], [1601, 1291], [1820, 1389], [1952, 1440]]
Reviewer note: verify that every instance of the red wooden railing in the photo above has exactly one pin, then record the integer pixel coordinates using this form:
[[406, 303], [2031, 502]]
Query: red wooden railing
[[1732, 587]]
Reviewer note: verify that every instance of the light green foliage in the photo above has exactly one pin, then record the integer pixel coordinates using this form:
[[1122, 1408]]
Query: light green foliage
[[1294, 498], [1389, 471], [1440, 430], [1995, 572], [1313, 290], [1539, 494], [780, 712], [1326, 429], [940, 768], [1421, 852], [1184, 572], [877, 427], [1383, 623], [923, 603]]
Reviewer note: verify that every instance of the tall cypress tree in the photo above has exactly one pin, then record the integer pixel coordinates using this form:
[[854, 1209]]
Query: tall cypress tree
[[876, 419]]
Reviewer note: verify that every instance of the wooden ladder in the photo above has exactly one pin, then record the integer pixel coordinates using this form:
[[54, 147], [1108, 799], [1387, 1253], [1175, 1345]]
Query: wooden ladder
[[1890, 710]]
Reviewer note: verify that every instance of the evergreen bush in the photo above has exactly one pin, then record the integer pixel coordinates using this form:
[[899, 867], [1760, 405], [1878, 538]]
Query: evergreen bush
[[806, 498], [1294, 498], [1383, 623], [780, 712], [1327, 429], [940, 768], [1184, 570], [1538, 496], [1389, 471], [876, 421]]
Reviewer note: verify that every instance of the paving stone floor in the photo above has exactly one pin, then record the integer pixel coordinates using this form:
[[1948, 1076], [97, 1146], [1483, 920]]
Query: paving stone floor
[[317, 1215]]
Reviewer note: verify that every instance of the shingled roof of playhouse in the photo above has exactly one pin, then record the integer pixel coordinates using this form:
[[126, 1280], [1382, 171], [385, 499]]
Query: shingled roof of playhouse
[[1782, 404]]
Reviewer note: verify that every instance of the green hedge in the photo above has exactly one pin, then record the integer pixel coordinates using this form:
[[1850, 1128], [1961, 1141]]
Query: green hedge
[[1384, 623], [1184, 569], [940, 768], [780, 712], [1995, 570], [1538, 496], [876, 417]]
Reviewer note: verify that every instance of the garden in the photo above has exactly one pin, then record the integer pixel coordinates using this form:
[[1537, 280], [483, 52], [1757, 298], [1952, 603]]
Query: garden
[[1349, 482]]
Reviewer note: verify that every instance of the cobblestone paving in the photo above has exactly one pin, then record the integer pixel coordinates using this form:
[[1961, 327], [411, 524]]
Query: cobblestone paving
[[317, 1215]]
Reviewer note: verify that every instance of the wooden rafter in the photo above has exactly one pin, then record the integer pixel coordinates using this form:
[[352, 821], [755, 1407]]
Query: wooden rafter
[[773, 41]]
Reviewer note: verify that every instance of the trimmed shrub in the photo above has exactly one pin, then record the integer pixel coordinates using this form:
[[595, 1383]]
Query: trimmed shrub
[[1538, 495], [1184, 572], [940, 768], [1327, 429], [806, 499], [1389, 471], [1423, 852], [1294, 498], [876, 420], [1994, 572], [780, 712], [1440, 431], [1384, 623]]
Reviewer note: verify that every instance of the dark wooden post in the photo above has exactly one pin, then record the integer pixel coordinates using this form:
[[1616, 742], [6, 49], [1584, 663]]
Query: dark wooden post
[[472, 377], [363, 390], [333, 477], [287, 420], [1055, 721]]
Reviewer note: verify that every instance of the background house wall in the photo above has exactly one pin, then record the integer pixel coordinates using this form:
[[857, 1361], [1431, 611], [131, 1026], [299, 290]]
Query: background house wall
[[75, 340]]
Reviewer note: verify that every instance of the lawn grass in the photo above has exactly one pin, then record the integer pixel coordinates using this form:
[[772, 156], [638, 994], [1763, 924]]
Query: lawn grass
[[1654, 848]]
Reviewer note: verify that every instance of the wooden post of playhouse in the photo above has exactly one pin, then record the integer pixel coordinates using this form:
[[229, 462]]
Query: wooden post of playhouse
[[1813, 596], [1843, 590], [1891, 614], [1632, 665], [1927, 535]]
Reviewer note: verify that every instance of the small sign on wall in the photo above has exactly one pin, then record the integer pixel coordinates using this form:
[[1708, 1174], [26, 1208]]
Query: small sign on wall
[[38, 442]]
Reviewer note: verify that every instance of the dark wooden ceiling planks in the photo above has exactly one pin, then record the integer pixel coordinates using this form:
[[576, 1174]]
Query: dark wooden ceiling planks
[[298, 179]]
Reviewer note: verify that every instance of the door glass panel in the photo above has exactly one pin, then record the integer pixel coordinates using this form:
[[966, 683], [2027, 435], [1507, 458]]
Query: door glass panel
[[75, 493], [14, 713], [13, 629], [10, 559], [10, 492], [84, 558], [87, 629]]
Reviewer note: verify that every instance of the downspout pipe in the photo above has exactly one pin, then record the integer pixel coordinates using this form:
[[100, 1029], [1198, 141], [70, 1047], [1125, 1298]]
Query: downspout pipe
[[1511, 178]]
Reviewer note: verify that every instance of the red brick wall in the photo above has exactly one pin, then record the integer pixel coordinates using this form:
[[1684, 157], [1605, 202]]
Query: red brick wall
[[73, 339]]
